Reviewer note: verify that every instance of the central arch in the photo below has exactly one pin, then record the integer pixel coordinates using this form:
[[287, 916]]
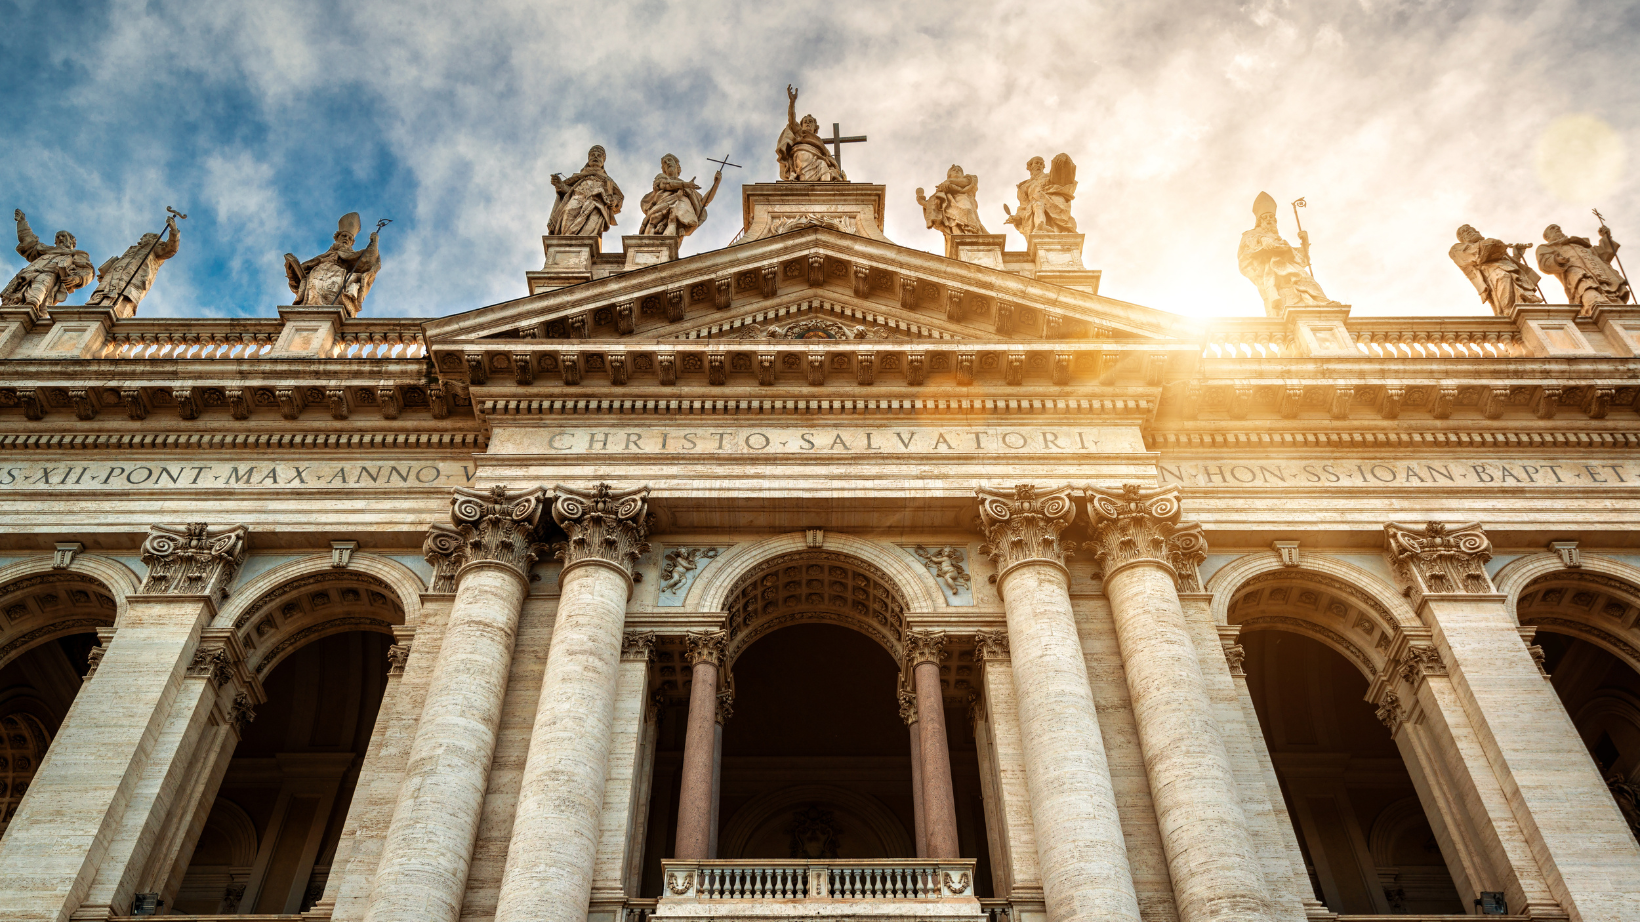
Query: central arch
[[815, 586]]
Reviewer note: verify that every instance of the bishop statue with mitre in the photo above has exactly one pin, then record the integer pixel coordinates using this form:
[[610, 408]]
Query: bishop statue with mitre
[[339, 276]]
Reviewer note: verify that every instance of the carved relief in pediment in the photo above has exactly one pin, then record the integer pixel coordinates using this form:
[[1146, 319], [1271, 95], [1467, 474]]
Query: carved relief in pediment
[[812, 328]]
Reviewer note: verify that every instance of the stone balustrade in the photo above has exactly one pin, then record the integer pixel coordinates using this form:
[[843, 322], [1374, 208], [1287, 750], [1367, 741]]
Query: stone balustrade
[[888, 887], [1375, 337], [190, 340]]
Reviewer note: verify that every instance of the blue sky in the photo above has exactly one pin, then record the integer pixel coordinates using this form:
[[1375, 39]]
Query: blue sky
[[267, 121]]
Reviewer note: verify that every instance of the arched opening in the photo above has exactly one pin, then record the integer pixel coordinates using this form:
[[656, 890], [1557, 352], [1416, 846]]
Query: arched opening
[[816, 759], [1585, 634], [319, 646], [1366, 840], [48, 629]]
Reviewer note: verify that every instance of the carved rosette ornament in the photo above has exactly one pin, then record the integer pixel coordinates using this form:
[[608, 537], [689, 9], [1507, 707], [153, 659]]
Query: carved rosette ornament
[[1022, 527], [638, 646], [705, 647], [1135, 525], [1439, 558], [193, 559], [991, 646], [603, 524], [498, 525], [925, 647]]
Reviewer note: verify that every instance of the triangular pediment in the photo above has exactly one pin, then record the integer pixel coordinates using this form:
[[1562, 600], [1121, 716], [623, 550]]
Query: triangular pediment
[[812, 283]]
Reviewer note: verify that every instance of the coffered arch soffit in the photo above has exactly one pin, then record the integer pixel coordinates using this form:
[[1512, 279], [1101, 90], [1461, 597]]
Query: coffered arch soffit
[[815, 586], [39, 603], [1589, 603], [913, 584], [305, 600], [1326, 599]]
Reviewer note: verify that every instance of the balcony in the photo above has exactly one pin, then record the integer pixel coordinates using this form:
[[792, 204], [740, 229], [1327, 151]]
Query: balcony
[[927, 891]]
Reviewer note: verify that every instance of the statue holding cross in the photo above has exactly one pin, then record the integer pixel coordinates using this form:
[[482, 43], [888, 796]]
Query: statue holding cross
[[802, 151]]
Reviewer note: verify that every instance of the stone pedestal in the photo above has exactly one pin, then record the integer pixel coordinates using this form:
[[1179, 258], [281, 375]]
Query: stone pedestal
[[428, 850], [1084, 862], [781, 207], [1139, 546], [555, 832]]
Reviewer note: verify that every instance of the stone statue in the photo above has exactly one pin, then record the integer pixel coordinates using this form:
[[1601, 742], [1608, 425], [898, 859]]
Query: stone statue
[[1498, 270], [123, 281], [1045, 198], [340, 275], [674, 207], [953, 208], [1585, 271], [1276, 267], [52, 274], [802, 154], [945, 563], [587, 202]]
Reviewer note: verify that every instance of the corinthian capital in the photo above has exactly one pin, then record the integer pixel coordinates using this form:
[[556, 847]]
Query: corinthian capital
[[706, 647], [497, 525], [925, 647], [1021, 527], [1437, 557], [194, 559], [445, 548], [1135, 525], [603, 524]]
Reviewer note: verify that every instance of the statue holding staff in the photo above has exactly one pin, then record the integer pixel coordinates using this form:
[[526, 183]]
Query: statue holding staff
[[674, 206], [1045, 198], [341, 275], [1498, 270], [1278, 269], [1585, 270], [123, 281]]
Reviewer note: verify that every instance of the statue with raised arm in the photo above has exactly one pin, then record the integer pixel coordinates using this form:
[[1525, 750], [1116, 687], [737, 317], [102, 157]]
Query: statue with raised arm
[[587, 202], [674, 206], [1045, 198], [124, 280], [802, 154], [1584, 270], [1276, 268], [1498, 270], [341, 275], [954, 206], [52, 274]]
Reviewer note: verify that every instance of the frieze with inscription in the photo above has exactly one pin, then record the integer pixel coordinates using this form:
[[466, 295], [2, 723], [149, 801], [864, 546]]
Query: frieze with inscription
[[1470, 472], [172, 475]]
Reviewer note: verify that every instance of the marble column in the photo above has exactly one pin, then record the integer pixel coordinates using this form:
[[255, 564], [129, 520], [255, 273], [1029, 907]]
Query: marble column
[[1565, 812], [924, 651], [725, 710], [1083, 857], [908, 713], [1141, 548], [548, 875], [700, 747], [113, 767], [427, 853]]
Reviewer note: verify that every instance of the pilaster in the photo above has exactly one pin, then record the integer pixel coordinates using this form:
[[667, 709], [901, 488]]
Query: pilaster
[[626, 782], [1012, 835]]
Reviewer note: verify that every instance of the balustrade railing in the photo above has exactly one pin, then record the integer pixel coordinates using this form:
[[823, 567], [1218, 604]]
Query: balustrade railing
[[189, 340], [885, 880], [1378, 337]]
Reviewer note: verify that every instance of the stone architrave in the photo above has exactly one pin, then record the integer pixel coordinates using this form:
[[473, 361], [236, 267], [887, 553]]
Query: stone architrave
[[428, 849], [52, 274], [1138, 541], [924, 651], [1082, 852], [124, 280], [550, 859], [1436, 557], [193, 559], [340, 276], [695, 816]]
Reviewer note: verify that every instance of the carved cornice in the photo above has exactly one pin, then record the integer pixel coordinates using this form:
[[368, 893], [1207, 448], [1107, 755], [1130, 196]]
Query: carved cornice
[[991, 646], [604, 525], [705, 647], [1438, 558], [1022, 527], [925, 647], [193, 559], [638, 647], [498, 525], [1135, 525]]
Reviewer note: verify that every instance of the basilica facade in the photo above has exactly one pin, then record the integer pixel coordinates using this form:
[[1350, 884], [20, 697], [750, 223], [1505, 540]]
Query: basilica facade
[[818, 577]]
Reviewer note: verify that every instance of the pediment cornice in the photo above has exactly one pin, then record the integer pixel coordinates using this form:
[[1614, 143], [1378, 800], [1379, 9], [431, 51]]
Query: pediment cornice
[[717, 287]]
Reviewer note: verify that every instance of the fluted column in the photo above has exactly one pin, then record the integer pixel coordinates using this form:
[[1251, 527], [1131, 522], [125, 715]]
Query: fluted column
[[1141, 549], [123, 749], [548, 877], [908, 713], [428, 849], [700, 747], [924, 651], [1084, 863]]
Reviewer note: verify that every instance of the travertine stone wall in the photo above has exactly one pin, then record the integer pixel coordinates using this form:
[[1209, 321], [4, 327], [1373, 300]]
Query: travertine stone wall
[[1015, 836], [1571, 822], [58, 839], [423, 870], [1085, 872]]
